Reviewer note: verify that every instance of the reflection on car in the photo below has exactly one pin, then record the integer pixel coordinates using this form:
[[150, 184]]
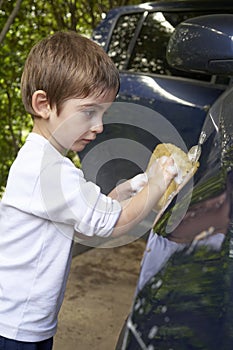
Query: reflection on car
[[184, 295]]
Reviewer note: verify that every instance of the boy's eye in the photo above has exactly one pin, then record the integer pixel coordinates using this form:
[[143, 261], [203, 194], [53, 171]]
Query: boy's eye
[[90, 112]]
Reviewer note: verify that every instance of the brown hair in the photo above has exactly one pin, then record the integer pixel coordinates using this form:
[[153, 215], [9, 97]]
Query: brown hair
[[67, 65]]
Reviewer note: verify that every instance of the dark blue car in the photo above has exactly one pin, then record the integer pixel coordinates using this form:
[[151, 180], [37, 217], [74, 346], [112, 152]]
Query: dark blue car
[[176, 66], [184, 296]]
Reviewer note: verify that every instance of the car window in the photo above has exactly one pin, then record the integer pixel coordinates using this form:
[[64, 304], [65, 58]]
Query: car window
[[121, 37], [150, 49], [139, 42]]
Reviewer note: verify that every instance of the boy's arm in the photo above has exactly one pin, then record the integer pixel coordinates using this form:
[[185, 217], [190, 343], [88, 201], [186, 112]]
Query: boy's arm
[[135, 209]]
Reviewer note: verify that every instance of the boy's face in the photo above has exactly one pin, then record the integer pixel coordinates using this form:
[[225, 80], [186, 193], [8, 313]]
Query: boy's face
[[79, 122]]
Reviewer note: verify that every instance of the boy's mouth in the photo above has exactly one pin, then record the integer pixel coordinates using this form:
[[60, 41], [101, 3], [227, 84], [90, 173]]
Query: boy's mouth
[[88, 140]]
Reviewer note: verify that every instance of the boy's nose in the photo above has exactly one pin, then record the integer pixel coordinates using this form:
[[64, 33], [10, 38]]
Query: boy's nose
[[97, 128]]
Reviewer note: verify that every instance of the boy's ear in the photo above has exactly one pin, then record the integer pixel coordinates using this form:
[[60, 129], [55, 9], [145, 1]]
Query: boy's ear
[[40, 104]]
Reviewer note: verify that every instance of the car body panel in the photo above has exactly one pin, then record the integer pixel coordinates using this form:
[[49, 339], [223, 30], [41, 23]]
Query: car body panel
[[184, 297], [183, 102]]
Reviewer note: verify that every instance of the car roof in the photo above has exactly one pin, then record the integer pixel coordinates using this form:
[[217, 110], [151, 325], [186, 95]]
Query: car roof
[[175, 5]]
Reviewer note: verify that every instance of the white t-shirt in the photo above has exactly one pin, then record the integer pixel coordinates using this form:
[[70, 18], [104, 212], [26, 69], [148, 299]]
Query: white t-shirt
[[46, 200]]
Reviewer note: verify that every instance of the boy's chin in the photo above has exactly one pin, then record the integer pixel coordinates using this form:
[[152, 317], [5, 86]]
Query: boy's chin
[[77, 147]]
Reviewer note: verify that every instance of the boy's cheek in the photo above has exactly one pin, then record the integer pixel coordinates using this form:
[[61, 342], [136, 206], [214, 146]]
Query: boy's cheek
[[68, 133]]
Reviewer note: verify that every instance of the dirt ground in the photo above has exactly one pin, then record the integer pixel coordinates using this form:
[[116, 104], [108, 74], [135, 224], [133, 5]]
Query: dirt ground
[[98, 297]]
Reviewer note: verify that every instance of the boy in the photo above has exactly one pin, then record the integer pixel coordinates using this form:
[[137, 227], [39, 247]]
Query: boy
[[67, 84]]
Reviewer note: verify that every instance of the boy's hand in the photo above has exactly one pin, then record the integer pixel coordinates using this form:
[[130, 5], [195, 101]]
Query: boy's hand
[[161, 172], [159, 176], [129, 188]]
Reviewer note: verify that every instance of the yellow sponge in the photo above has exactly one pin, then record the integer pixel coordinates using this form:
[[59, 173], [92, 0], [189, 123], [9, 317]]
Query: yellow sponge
[[183, 164]]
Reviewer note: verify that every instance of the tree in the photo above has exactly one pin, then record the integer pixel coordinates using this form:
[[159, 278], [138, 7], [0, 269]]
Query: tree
[[22, 24], [10, 19]]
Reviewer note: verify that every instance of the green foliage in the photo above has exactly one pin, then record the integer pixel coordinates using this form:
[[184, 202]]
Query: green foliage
[[34, 20]]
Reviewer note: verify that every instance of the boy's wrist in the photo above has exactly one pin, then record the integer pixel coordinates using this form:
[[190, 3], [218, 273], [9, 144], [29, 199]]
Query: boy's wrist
[[156, 187], [138, 182]]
